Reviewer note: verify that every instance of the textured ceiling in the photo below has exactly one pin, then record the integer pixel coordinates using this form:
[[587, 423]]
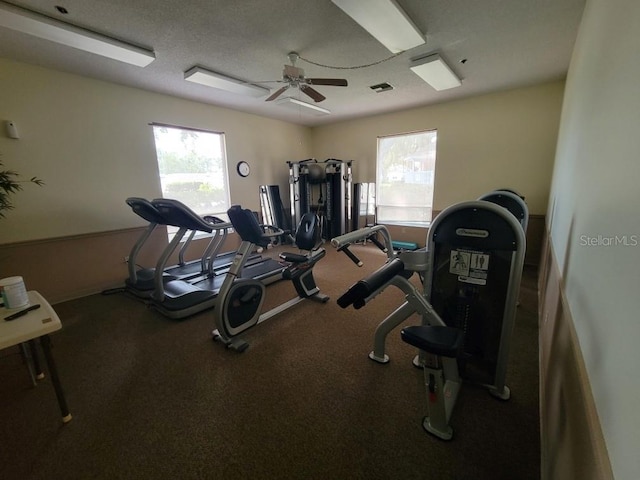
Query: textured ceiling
[[506, 44]]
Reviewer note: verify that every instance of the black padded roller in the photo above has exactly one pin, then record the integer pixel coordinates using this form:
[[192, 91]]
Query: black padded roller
[[362, 289]]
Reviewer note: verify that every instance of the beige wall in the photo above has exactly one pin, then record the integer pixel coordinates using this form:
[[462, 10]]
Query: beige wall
[[501, 140], [572, 443], [90, 141], [594, 225]]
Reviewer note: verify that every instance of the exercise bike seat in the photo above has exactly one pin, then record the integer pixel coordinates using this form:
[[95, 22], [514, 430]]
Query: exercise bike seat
[[435, 339]]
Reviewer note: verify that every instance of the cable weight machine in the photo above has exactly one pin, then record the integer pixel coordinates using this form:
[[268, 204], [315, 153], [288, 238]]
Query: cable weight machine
[[323, 188]]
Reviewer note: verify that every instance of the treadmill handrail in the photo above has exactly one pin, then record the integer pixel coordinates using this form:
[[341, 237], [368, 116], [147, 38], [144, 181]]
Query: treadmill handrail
[[179, 215], [145, 209]]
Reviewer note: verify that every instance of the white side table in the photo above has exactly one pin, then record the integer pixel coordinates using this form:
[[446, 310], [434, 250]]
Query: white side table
[[25, 329]]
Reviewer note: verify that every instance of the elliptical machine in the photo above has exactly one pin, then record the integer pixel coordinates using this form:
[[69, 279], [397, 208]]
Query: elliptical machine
[[240, 299]]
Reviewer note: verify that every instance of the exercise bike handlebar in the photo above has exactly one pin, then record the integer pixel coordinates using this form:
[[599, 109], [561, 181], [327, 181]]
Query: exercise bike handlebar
[[271, 231]]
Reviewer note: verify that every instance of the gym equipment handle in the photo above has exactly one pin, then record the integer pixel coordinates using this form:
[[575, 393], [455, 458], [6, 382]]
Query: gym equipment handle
[[345, 249], [377, 243], [363, 234]]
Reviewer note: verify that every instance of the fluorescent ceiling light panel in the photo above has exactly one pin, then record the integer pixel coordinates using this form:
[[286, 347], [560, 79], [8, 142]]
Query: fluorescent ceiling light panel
[[386, 21], [32, 23], [222, 82], [295, 103], [433, 70]]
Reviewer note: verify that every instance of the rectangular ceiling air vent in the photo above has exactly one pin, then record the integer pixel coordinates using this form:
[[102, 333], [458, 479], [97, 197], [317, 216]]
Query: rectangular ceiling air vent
[[381, 87]]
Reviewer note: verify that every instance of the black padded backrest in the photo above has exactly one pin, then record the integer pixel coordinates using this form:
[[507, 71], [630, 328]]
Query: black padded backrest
[[145, 209], [450, 230], [509, 200], [476, 252], [246, 225], [179, 215], [510, 191], [309, 233]]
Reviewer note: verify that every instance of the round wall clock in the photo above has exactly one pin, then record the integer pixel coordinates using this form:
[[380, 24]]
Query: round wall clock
[[243, 169]]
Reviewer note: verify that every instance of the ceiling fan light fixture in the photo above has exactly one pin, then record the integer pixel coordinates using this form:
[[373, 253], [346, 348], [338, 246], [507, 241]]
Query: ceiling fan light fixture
[[31, 23], [295, 103], [386, 21], [433, 70], [212, 79]]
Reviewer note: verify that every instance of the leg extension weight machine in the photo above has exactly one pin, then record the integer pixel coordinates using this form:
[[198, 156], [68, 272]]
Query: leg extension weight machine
[[471, 274]]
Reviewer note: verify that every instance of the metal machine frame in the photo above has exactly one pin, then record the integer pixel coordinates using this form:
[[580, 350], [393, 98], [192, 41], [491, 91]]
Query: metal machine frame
[[337, 181]]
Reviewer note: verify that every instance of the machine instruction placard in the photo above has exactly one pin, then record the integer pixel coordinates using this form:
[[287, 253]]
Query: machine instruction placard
[[470, 266]]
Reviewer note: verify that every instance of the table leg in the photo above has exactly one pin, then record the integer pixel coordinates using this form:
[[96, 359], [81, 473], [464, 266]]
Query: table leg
[[53, 371], [36, 359], [28, 359]]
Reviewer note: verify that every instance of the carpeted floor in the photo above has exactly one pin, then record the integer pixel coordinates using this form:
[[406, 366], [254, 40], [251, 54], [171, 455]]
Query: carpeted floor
[[155, 398]]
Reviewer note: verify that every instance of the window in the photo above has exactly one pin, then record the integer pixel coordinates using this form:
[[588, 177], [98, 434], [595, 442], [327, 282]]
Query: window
[[193, 168], [405, 177]]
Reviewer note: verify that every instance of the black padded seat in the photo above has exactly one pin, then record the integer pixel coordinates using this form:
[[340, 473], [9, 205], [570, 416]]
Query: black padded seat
[[436, 339]]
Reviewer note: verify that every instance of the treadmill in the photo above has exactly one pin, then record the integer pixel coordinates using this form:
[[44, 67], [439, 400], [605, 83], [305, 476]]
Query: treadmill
[[141, 282], [179, 298], [210, 260]]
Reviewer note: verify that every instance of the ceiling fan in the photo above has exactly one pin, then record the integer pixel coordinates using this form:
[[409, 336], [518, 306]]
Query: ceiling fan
[[294, 77]]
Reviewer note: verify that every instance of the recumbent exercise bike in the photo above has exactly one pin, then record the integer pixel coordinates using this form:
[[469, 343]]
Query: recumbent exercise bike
[[240, 300]]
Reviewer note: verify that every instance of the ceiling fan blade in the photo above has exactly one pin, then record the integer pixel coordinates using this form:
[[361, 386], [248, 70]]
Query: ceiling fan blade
[[266, 81], [277, 93], [316, 95], [334, 82]]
